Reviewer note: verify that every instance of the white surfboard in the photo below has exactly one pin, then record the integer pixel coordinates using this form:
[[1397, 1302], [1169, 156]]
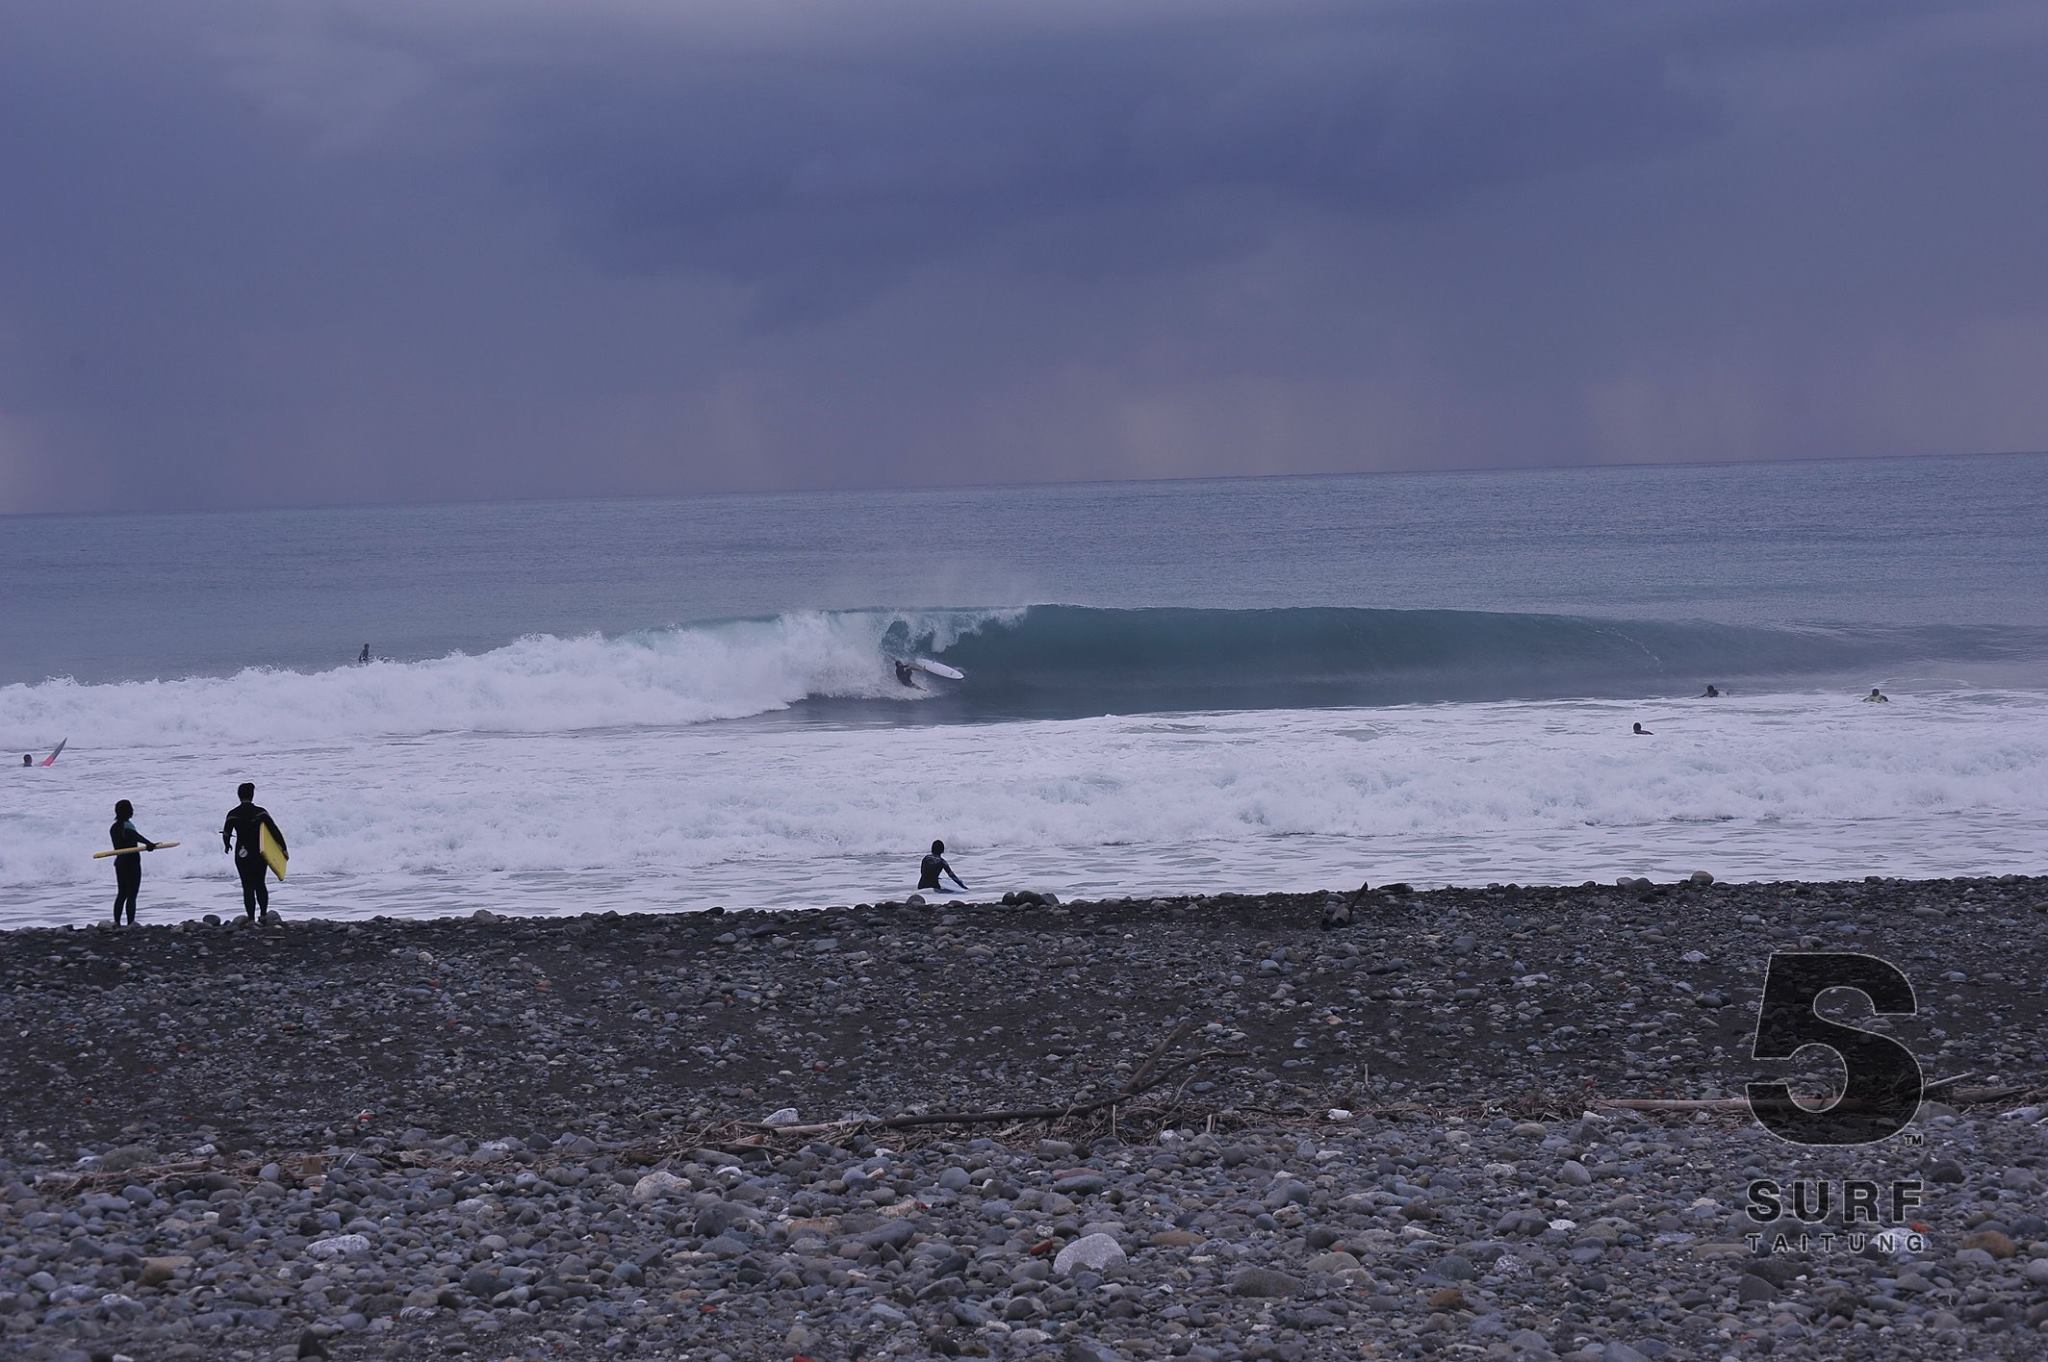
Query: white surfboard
[[925, 664]]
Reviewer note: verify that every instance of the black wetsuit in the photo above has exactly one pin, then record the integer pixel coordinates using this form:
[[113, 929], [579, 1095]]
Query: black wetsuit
[[127, 869], [246, 822], [929, 869]]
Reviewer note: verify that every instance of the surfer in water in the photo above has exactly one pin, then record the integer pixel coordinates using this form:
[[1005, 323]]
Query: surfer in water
[[1640, 731], [27, 760], [363, 658], [245, 822], [1712, 692], [127, 869], [1877, 697], [906, 675], [934, 865]]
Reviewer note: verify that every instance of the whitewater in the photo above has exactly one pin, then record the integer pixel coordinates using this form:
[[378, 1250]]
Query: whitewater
[[775, 763], [1175, 688]]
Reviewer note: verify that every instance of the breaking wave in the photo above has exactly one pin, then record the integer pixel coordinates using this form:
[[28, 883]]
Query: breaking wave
[[1038, 661]]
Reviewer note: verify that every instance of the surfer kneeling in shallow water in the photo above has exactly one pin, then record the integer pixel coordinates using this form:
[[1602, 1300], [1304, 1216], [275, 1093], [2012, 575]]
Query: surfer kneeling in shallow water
[[906, 674], [933, 866]]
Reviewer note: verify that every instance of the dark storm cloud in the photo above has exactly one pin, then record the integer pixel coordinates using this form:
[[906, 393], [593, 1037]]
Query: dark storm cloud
[[378, 250], [899, 153]]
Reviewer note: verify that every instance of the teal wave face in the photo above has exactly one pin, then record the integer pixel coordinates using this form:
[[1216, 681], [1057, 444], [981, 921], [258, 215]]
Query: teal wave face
[[1058, 659]]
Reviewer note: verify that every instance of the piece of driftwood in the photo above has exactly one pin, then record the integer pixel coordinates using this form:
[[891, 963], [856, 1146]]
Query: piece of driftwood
[[1173, 1038], [1951, 1094], [1149, 1074], [1153, 1079]]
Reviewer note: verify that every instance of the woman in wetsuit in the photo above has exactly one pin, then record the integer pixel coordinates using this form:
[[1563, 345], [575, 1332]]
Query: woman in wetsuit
[[127, 869]]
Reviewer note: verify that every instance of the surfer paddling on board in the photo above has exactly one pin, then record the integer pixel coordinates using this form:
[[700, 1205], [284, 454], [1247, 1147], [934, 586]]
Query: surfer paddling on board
[[246, 822], [127, 869], [1640, 731], [934, 865]]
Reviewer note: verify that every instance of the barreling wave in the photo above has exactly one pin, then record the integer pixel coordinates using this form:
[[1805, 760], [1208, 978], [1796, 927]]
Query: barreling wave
[[1038, 661], [1053, 658]]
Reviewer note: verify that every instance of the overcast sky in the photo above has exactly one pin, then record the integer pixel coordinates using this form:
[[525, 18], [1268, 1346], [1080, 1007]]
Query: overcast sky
[[374, 250]]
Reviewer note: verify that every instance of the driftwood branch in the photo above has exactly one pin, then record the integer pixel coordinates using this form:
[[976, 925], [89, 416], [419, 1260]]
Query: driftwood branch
[[1173, 1038], [1671, 1104], [1149, 1076], [1957, 1096]]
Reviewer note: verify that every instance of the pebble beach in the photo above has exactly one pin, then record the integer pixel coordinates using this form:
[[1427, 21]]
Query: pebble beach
[[1470, 1123]]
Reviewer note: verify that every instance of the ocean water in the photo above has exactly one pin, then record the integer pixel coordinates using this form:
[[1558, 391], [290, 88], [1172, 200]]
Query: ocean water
[[1171, 687]]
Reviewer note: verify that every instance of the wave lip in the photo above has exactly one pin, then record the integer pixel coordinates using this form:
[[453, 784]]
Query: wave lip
[[1028, 662]]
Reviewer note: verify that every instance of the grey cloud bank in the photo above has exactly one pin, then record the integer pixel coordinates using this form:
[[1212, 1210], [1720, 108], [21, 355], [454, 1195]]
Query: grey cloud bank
[[259, 255]]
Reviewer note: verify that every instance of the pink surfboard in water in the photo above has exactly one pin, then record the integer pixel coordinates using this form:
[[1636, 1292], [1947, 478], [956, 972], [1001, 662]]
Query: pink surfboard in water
[[51, 760]]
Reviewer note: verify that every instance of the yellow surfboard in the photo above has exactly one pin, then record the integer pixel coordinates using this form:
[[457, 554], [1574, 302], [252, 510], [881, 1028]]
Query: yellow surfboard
[[273, 854], [97, 855]]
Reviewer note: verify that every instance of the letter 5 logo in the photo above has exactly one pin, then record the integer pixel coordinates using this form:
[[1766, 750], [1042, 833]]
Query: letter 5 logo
[[1885, 1084]]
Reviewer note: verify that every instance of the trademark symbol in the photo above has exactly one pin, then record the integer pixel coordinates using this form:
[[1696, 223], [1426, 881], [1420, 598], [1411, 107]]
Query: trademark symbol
[[1914, 1139]]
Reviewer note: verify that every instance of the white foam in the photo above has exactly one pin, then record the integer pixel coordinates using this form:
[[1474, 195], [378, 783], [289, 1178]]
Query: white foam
[[684, 815], [540, 684]]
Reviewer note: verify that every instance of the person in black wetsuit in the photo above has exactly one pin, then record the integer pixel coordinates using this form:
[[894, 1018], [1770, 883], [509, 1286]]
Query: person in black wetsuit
[[934, 865], [27, 760], [1713, 692], [363, 659], [905, 675], [1640, 731], [246, 822], [127, 869]]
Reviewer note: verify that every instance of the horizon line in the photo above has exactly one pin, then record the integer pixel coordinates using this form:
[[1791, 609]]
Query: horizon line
[[714, 493]]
